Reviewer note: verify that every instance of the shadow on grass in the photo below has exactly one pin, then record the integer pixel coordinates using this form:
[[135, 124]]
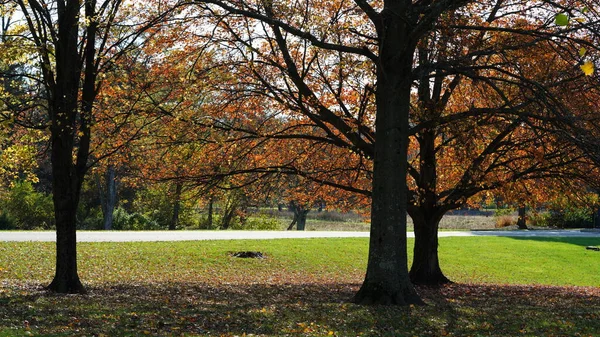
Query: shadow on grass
[[578, 241], [296, 309]]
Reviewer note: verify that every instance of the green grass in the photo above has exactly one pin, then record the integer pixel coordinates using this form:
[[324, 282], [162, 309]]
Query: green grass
[[506, 287]]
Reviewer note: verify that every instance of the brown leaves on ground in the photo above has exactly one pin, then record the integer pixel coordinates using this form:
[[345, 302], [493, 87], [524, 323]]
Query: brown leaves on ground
[[239, 309]]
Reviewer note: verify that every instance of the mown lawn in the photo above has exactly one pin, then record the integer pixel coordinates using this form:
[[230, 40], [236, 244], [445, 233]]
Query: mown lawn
[[505, 287]]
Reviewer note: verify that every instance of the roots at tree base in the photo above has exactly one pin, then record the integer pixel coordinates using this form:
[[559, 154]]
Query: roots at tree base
[[429, 279], [71, 286], [374, 294]]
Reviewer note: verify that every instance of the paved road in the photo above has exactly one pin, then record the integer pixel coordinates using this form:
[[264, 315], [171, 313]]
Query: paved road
[[125, 236]]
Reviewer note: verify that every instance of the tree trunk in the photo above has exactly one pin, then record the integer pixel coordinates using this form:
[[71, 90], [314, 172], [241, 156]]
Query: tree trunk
[[425, 268], [176, 207], [231, 206], [65, 196], [522, 219], [387, 280], [209, 219], [68, 172], [300, 214], [293, 222], [108, 196], [301, 223], [66, 187]]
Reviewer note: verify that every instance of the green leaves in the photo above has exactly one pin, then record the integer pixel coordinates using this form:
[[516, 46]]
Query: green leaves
[[562, 20]]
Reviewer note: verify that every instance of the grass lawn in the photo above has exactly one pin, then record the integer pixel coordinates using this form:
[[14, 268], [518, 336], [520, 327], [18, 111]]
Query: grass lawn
[[505, 287]]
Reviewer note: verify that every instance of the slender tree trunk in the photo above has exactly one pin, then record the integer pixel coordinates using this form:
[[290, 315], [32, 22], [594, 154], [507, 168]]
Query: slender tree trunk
[[522, 219], [66, 198], [209, 219], [387, 280], [425, 268], [228, 213], [111, 197], [67, 172], [293, 222], [176, 207], [108, 196]]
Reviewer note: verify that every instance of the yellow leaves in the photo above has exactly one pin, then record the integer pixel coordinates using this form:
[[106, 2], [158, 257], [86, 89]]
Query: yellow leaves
[[588, 68]]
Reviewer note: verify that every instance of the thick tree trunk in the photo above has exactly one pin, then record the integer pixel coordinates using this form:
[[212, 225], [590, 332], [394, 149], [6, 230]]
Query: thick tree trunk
[[425, 268], [301, 223], [522, 219], [387, 280], [176, 207], [300, 214]]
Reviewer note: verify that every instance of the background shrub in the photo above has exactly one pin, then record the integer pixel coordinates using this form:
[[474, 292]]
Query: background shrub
[[571, 218], [26, 208], [6, 222], [258, 223], [90, 218], [123, 220]]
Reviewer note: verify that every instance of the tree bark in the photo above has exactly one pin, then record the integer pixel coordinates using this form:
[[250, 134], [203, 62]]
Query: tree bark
[[522, 219], [425, 268], [230, 206], [108, 196], [209, 219], [176, 207], [293, 222], [301, 224], [66, 198], [300, 214], [387, 280], [68, 172]]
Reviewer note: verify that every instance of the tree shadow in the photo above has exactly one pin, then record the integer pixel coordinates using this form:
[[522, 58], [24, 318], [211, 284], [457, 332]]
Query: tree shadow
[[578, 241], [171, 309]]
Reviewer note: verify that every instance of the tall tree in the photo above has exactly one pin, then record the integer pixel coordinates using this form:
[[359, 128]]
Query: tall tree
[[391, 49], [306, 43], [75, 42]]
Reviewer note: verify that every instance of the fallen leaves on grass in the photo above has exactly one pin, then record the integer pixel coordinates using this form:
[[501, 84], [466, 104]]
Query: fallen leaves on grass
[[286, 309]]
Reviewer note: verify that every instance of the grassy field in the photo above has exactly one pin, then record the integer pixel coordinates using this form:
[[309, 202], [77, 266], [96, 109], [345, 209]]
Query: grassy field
[[505, 287]]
